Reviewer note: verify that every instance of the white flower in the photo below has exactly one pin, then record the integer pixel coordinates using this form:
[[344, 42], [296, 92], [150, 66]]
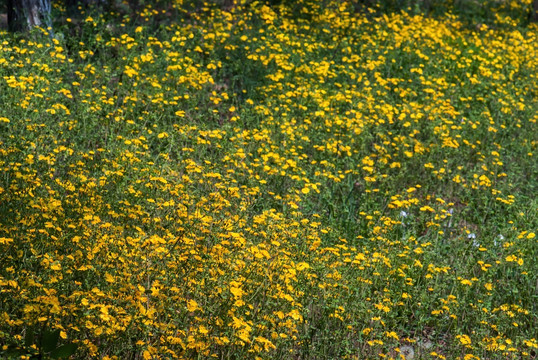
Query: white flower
[[497, 243], [472, 236], [403, 214]]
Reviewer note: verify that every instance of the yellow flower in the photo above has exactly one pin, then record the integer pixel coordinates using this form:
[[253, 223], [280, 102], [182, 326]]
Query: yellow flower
[[236, 291], [464, 339], [192, 305]]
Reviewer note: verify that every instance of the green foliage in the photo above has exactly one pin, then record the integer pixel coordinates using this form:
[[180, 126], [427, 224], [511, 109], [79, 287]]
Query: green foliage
[[39, 346], [274, 180]]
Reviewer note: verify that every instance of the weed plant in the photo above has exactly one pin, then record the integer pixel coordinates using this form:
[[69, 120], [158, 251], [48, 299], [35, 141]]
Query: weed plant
[[285, 180]]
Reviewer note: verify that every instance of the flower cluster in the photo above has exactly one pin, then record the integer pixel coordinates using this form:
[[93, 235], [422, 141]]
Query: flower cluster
[[301, 180]]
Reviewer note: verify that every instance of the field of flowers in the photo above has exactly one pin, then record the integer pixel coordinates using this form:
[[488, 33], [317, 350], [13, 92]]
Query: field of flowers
[[280, 180]]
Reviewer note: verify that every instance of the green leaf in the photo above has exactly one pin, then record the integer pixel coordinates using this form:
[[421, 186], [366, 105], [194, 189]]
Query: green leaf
[[29, 338], [64, 351], [12, 352], [49, 340]]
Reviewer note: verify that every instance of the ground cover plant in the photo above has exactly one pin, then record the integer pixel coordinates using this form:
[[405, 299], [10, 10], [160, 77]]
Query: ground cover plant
[[280, 180]]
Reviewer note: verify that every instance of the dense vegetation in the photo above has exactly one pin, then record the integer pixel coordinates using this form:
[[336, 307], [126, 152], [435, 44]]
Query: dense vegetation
[[285, 180]]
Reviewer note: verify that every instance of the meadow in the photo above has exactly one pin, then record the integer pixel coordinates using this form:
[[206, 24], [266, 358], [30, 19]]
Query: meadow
[[271, 180]]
